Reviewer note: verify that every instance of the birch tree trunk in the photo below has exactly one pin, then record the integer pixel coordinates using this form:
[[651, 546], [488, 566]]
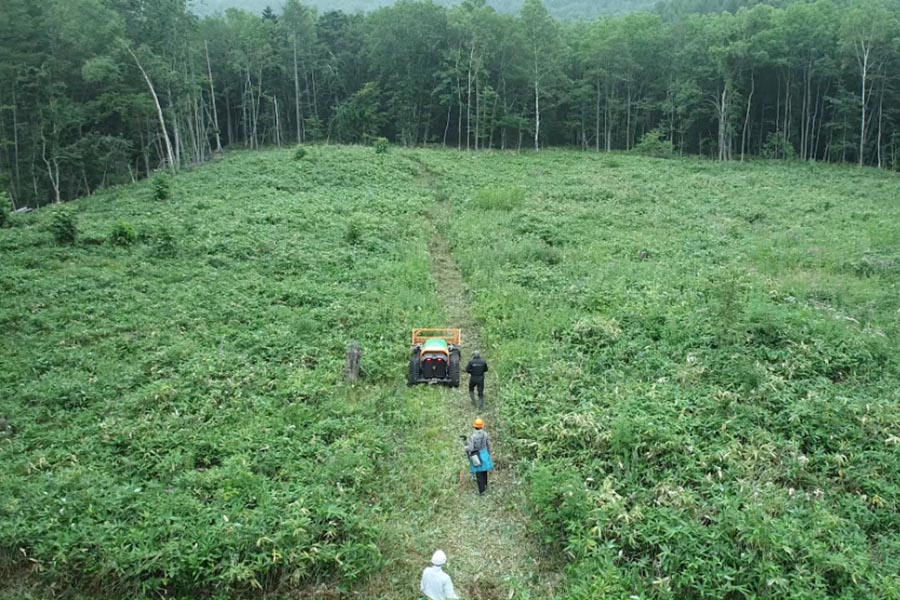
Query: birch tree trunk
[[52, 167], [175, 130], [298, 115], [863, 48], [537, 115], [597, 119], [212, 100], [744, 135], [18, 182], [469, 101], [880, 114], [277, 122], [170, 155]]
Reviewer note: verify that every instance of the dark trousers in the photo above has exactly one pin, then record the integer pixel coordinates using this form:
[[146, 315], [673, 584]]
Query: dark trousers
[[480, 385], [481, 478]]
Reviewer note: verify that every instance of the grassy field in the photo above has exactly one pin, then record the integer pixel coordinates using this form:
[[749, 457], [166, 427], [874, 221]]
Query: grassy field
[[182, 421], [700, 365], [695, 377]]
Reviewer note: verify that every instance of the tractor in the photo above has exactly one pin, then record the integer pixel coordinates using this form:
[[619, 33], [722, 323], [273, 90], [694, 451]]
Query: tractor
[[435, 356]]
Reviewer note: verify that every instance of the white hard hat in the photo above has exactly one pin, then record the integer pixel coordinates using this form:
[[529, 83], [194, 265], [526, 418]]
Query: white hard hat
[[439, 558]]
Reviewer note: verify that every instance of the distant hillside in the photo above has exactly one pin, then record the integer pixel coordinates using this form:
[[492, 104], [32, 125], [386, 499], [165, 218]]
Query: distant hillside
[[564, 9]]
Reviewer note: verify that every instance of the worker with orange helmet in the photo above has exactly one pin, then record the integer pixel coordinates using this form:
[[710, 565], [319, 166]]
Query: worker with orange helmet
[[478, 449]]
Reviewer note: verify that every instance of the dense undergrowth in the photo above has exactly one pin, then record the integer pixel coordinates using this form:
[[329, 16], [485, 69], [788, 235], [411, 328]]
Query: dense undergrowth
[[696, 364], [175, 377], [699, 365]]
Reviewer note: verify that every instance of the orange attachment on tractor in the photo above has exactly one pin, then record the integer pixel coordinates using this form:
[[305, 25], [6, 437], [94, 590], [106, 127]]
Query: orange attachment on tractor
[[451, 336]]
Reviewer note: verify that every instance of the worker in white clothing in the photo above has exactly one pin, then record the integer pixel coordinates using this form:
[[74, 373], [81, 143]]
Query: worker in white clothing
[[436, 585]]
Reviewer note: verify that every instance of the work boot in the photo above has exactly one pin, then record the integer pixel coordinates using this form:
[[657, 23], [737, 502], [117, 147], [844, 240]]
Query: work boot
[[472, 398], [480, 403]]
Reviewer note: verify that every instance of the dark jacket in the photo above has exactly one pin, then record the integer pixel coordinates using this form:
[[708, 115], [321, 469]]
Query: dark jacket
[[477, 367]]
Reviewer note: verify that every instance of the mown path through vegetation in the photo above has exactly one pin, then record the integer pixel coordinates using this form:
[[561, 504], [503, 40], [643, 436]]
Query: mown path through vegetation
[[489, 550], [491, 554]]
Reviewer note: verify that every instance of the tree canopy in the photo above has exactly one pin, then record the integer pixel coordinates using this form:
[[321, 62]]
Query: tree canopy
[[101, 92]]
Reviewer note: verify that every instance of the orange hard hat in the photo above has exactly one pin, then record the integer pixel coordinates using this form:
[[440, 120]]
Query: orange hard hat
[[479, 424]]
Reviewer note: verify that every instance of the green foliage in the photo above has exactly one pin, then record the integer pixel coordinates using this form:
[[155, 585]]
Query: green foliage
[[564, 9], [101, 69], [196, 433], [122, 234], [162, 186], [314, 130], [64, 226], [360, 117], [712, 419], [441, 195], [778, 146], [300, 153], [381, 145], [354, 233], [701, 401], [654, 144], [499, 198], [164, 244], [720, 78], [5, 209]]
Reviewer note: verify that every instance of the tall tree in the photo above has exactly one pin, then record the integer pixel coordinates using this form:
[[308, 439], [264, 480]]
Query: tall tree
[[868, 30], [542, 37]]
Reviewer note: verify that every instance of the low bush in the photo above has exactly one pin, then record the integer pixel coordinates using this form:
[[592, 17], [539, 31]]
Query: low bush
[[5, 209], [441, 195], [499, 198], [354, 232], [381, 145], [779, 146], [162, 186], [64, 226], [300, 153], [654, 144], [164, 244], [123, 234]]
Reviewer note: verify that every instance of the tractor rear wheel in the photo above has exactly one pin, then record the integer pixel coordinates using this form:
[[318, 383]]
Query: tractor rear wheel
[[454, 368], [415, 369]]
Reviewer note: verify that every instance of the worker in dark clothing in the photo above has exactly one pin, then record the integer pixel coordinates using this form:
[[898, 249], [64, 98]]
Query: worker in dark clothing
[[476, 369]]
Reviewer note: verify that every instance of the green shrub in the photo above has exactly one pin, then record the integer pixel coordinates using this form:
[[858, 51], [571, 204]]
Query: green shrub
[[499, 198], [536, 251], [300, 153], [557, 498], [381, 145], [779, 146], [5, 209], [611, 163], [164, 244], [871, 265], [354, 233], [654, 143], [64, 226], [162, 186], [315, 131], [123, 234], [441, 195], [594, 332]]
